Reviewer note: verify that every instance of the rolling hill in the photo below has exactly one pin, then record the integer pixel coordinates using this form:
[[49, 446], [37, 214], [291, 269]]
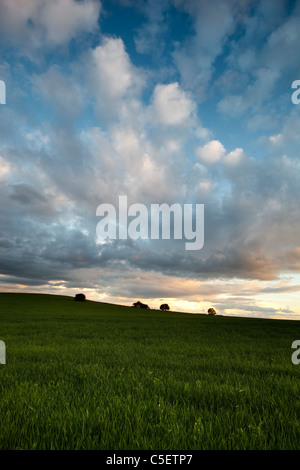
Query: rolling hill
[[89, 375]]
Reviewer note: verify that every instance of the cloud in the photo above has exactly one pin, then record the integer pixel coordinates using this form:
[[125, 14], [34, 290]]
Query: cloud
[[214, 152], [269, 33], [5, 168], [102, 123], [275, 139], [26, 194], [113, 80], [65, 19], [211, 152], [254, 95], [36, 23], [113, 71], [172, 106], [151, 36], [234, 157], [213, 22], [61, 93]]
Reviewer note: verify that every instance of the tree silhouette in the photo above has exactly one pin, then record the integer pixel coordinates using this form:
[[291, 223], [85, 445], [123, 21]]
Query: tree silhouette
[[139, 304], [164, 307], [211, 311], [80, 297]]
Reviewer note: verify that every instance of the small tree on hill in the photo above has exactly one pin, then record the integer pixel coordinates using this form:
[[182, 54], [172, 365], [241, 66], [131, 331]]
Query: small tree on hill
[[211, 311], [80, 297], [139, 304], [164, 307]]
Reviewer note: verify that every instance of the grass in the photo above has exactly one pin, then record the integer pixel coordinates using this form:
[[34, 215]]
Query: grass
[[99, 376]]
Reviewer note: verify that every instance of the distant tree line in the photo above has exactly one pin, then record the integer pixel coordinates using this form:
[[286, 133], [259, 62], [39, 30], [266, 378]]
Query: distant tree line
[[138, 304], [164, 307]]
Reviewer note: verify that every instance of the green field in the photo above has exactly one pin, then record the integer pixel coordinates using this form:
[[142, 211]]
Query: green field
[[99, 376]]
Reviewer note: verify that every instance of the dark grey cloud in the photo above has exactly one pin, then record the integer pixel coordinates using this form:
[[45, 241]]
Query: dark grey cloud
[[26, 195]]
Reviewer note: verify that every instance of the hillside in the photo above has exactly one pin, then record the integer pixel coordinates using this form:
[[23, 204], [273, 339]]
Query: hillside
[[101, 376]]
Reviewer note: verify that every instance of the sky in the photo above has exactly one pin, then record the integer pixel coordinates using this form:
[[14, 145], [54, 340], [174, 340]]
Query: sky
[[164, 102]]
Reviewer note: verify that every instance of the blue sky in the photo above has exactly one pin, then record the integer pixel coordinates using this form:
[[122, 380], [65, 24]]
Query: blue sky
[[170, 101]]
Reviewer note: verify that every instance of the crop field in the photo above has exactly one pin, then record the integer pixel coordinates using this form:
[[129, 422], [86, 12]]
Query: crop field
[[88, 375]]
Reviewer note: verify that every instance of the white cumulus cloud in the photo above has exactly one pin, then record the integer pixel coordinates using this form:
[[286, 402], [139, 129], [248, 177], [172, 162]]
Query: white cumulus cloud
[[211, 152], [172, 106]]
